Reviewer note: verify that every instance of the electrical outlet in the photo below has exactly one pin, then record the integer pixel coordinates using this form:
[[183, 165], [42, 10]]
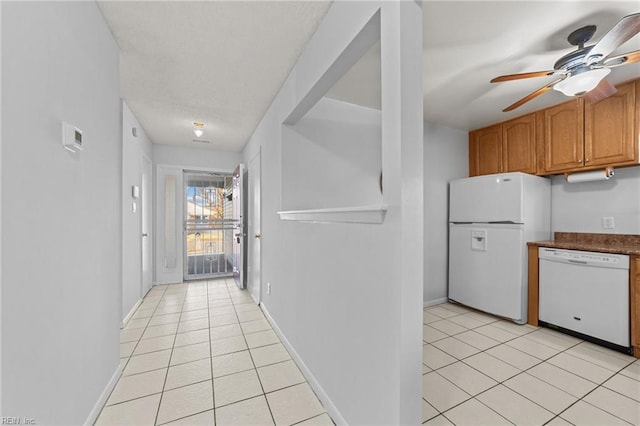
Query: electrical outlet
[[607, 222], [269, 289]]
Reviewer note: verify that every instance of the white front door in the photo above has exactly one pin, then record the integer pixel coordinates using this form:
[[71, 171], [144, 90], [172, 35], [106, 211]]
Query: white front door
[[147, 220], [254, 267]]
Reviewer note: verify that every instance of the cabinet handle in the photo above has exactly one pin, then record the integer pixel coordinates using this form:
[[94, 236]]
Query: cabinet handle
[[579, 161], [586, 160]]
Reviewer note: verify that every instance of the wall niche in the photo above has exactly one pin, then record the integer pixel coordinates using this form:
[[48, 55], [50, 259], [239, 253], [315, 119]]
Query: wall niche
[[332, 141]]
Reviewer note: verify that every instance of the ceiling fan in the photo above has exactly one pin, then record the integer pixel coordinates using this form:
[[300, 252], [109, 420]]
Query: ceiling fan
[[583, 71]]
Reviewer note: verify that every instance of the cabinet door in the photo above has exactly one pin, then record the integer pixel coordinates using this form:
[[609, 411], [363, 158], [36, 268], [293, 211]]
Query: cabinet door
[[563, 137], [485, 151], [519, 144], [609, 135]]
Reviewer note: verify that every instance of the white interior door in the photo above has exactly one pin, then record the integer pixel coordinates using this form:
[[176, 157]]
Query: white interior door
[[254, 258], [147, 220]]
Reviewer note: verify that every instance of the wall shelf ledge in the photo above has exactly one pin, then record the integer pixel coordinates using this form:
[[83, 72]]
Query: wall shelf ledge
[[362, 214]]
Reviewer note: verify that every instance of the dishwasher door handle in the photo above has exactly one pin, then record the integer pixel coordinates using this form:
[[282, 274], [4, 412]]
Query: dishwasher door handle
[[579, 262]]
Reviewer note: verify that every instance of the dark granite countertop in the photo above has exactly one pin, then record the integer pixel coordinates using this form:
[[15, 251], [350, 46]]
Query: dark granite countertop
[[604, 243]]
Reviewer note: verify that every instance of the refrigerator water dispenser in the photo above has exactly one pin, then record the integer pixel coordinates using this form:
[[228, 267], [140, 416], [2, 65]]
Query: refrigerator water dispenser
[[479, 239]]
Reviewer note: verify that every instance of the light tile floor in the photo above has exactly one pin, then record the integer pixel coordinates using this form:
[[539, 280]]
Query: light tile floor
[[202, 352], [482, 370]]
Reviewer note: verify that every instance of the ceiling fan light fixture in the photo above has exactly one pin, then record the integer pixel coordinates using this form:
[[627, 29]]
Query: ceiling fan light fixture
[[581, 81]]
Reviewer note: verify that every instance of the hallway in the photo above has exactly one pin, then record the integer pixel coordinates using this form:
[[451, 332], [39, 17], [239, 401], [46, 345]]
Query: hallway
[[202, 352]]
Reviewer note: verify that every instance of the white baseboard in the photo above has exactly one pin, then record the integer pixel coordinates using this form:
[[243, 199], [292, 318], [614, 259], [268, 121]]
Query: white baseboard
[[97, 408], [130, 314], [322, 395], [428, 303]]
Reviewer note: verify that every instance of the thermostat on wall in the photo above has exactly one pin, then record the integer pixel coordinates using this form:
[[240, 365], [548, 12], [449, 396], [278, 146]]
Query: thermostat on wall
[[71, 137]]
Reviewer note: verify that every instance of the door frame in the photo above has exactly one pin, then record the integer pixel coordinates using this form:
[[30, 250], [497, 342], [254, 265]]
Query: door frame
[[254, 262], [146, 209], [164, 275], [183, 208]]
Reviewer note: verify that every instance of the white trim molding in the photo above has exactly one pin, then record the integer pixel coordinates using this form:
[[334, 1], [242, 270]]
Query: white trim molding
[[332, 410], [97, 408], [434, 302], [365, 214], [126, 319]]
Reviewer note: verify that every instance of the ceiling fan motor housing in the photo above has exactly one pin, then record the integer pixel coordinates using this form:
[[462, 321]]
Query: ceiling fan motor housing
[[575, 59], [582, 35], [572, 60]]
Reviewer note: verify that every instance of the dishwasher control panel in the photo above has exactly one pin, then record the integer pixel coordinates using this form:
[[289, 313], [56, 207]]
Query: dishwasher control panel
[[585, 257]]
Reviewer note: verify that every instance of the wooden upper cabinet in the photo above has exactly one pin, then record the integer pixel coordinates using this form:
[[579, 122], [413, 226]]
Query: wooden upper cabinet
[[570, 137], [485, 151], [519, 145], [562, 137], [610, 135]]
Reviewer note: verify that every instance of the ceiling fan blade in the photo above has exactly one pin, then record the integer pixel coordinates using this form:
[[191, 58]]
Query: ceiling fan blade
[[626, 28], [603, 90], [626, 58], [532, 95], [510, 77]]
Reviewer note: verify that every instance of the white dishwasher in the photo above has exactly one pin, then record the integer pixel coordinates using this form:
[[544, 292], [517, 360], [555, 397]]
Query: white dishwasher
[[586, 292]]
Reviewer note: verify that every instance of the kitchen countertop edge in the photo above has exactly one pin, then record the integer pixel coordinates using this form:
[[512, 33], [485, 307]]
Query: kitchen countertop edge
[[632, 250]]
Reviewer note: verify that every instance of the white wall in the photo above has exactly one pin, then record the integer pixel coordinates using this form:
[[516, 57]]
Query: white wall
[[446, 157], [61, 225], [579, 207], [171, 161], [331, 161], [133, 150], [348, 297], [0, 211], [196, 158]]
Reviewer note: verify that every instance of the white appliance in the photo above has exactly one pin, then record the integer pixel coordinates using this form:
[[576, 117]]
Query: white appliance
[[586, 292], [491, 218]]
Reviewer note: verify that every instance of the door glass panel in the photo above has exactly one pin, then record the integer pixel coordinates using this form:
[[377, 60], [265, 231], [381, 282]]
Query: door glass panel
[[208, 225]]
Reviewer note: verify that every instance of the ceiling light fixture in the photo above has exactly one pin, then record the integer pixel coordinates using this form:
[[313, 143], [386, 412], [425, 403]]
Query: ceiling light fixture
[[197, 128], [581, 81]]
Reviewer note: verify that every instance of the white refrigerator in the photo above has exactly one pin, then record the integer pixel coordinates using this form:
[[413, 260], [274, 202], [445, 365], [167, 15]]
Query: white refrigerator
[[491, 219]]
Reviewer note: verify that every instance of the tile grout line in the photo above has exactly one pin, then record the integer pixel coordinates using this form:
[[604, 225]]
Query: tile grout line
[[188, 384], [125, 364], [170, 356], [598, 385], [480, 402], [498, 382], [145, 329], [255, 367], [213, 389], [215, 413]]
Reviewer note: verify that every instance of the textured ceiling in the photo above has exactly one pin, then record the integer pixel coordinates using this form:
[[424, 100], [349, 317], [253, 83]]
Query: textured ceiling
[[219, 62], [224, 62]]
